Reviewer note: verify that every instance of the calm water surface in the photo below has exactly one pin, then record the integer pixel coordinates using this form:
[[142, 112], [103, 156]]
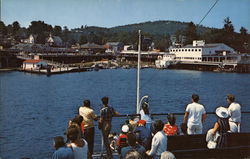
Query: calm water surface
[[35, 108]]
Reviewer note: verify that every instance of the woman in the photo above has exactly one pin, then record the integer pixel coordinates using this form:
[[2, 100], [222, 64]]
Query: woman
[[62, 152], [171, 128], [221, 126], [78, 144], [144, 112]]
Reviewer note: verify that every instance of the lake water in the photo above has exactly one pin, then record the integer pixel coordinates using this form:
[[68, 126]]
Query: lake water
[[35, 108]]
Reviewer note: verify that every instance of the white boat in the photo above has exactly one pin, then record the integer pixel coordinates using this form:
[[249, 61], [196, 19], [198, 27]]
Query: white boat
[[165, 61]]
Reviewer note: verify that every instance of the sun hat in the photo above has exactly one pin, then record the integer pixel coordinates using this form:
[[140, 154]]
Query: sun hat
[[222, 112], [143, 122], [125, 128]]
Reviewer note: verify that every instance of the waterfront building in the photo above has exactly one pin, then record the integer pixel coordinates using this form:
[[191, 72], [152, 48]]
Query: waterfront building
[[92, 48], [199, 51], [114, 47]]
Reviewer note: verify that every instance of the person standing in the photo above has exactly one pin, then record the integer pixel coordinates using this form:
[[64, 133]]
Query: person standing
[[88, 115], [194, 116], [77, 143], [62, 152], [234, 111], [159, 141], [105, 125]]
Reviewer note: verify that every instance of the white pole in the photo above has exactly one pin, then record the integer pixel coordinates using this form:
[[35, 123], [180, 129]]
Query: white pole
[[138, 74]]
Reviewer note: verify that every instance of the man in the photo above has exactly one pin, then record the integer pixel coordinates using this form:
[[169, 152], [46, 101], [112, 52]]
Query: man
[[107, 113], [88, 115], [194, 116], [159, 141], [132, 145], [143, 135], [234, 111]]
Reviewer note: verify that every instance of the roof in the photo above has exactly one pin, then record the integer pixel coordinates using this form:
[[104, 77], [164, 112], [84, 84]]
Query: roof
[[91, 46], [206, 45], [32, 61]]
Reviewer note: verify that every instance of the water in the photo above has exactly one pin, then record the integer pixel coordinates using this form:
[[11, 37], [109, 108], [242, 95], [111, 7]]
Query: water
[[35, 108]]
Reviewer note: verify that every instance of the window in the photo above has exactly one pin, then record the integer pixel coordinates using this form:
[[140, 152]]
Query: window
[[199, 49], [195, 49], [185, 49], [192, 49], [188, 49]]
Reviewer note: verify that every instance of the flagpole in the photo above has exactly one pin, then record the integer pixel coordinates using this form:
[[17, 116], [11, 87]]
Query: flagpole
[[138, 74]]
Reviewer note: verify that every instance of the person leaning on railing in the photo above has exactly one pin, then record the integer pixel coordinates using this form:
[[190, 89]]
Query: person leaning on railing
[[234, 111], [105, 125]]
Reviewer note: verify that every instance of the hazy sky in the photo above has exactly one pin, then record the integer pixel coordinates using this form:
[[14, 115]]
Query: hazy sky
[[109, 13]]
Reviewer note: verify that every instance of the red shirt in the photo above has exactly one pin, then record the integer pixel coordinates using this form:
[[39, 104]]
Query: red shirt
[[122, 140], [170, 130]]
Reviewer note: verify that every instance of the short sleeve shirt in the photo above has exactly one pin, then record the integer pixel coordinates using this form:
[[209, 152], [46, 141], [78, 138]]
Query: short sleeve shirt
[[88, 115], [235, 112], [107, 113], [195, 111]]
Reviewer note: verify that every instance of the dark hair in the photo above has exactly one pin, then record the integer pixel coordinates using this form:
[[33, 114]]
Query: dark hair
[[145, 108], [133, 154], [73, 133], [105, 100], [158, 125], [131, 139], [59, 142], [86, 103], [78, 120], [230, 97], [184, 128], [171, 119], [195, 97]]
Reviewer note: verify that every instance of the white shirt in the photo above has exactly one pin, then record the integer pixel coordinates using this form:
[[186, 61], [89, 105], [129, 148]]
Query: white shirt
[[80, 152], [234, 111], [88, 115], [145, 117], [159, 144], [195, 111]]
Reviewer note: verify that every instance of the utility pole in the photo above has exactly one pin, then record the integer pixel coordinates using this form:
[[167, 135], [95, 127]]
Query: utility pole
[[0, 10]]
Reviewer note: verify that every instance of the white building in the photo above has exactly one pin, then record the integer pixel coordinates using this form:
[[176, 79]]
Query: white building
[[34, 64], [195, 52]]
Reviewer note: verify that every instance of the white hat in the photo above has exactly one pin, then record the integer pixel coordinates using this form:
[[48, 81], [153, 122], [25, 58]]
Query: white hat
[[125, 128], [222, 112]]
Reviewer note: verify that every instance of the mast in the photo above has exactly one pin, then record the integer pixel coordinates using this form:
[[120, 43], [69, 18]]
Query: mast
[[138, 75]]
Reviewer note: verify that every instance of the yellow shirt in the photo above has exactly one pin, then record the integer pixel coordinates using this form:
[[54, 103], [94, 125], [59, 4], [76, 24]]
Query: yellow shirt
[[88, 115]]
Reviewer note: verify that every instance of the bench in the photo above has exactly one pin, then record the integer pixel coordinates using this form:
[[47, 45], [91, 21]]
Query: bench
[[195, 146]]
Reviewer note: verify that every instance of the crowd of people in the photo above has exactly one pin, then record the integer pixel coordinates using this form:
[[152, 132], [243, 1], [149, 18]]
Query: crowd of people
[[142, 137]]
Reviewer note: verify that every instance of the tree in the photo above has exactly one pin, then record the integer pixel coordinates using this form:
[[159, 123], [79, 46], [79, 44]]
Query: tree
[[57, 30], [83, 39], [228, 26], [3, 28], [190, 33], [15, 27]]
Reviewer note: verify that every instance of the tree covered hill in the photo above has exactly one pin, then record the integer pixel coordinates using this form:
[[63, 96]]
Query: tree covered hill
[[157, 27]]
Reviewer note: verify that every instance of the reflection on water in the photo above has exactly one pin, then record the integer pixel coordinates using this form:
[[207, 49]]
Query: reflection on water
[[35, 108]]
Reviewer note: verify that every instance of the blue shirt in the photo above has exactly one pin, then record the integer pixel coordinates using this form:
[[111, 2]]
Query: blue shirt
[[107, 113], [143, 136], [140, 149], [63, 153]]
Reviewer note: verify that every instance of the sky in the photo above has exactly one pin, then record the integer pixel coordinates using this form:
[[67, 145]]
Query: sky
[[110, 13]]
